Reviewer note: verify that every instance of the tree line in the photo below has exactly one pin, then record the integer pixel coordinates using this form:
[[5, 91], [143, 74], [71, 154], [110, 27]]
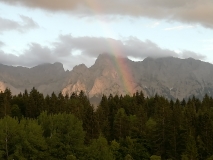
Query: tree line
[[34, 126]]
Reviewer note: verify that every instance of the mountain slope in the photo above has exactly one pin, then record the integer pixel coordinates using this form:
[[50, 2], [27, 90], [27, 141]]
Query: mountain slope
[[46, 78], [170, 77]]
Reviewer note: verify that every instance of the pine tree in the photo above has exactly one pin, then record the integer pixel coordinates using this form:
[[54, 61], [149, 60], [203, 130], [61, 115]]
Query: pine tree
[[35, 104], [121, 125], [191, 148], [102, 114], [5, 103], [175, 142], [162, 112]]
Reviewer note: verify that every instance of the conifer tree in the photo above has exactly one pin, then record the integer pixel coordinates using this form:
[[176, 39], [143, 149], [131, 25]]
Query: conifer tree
[[5, 103], [162, 115], [121, 124]]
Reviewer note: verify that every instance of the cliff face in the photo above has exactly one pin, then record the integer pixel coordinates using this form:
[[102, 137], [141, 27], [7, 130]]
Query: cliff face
[[104, 77], [170, 77]]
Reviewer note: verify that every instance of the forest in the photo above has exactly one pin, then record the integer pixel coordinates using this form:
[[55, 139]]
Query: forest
[[122, 127]]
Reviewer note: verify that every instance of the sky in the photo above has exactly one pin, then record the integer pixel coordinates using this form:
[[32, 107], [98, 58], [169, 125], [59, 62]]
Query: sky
[[77, 31]]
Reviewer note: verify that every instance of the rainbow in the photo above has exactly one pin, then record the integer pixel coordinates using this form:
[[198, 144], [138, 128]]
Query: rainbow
[[123, 68], [120, 62], [126, 75]]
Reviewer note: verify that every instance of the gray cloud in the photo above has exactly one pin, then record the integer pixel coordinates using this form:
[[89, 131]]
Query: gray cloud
[[36, 54], [190, 11], [1, 44], [72, 51], [22, 26], [190, 54], [8, 59], [93, 46]]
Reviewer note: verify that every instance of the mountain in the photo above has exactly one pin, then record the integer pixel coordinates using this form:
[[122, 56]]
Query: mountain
[[46, 78], [170, 77]]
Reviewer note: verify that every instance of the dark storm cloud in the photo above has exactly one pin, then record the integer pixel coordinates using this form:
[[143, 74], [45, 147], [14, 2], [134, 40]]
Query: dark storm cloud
[[72, 51], [188, 11], [25, 24]]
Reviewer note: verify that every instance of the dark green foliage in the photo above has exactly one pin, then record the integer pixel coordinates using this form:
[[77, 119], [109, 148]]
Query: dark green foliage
[[121, 127], [22, 140], [154, 157], [5, 103], [64, 134], [100, 150], [35, 104]]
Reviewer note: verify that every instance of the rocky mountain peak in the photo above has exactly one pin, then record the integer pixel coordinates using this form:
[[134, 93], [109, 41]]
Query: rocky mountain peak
[[48, 67], [58, 65], [170, 77], [80, 68], [104, 60]]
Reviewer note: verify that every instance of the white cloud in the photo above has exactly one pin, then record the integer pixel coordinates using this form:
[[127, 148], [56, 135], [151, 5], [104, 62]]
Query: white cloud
[[153, 25], [178, 28]]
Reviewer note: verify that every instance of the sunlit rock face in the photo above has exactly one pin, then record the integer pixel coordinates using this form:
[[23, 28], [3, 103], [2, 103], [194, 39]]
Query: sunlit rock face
[[169, 77], [104, 77]]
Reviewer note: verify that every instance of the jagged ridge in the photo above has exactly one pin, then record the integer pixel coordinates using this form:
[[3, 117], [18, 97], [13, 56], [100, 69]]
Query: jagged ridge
[[170, 77]]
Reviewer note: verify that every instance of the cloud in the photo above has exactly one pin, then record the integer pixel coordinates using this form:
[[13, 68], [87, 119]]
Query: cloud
[[8, 59], [26, 24], [154, 25], [36, 54], [178, 28], [1, 44], [72, 51], [93, 46], [190, 54], [191, 11]]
